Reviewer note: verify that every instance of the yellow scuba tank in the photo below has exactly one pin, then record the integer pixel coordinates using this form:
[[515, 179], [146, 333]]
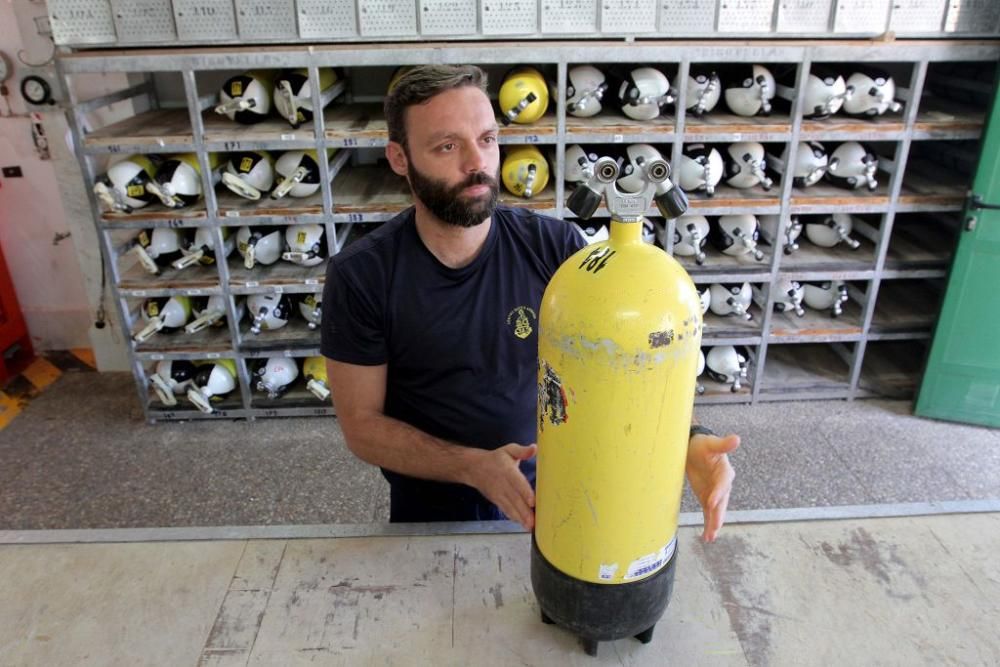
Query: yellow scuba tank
[[619, 333], [523, 96], [314, 369], [525, 171]]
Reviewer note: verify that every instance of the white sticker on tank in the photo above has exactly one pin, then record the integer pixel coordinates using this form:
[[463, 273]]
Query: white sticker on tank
[[607, 572], [650, 563]]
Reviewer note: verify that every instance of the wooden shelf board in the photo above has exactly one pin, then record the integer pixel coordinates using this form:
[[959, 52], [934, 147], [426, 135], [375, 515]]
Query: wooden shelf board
[[232, 206], [830, 196], [714, 123], [818, 323], [840, 125], [803, 366], [611, 122], [737, 198], [149, 128], [212, 339], [811, 257], [219, 129], [198, 276], [909, 248], [157, 212], [716, 262], [295, 334], [731, 326], [281, 273], [905, 305]]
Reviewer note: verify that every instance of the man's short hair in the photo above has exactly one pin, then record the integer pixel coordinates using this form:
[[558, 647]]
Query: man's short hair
[[421, 84]]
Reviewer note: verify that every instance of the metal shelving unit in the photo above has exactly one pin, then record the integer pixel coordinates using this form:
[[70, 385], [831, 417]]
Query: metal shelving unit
[[908, 222]]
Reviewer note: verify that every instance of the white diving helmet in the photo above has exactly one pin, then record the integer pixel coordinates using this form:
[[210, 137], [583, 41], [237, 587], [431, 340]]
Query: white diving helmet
[[163, 314], [811, 163], [171, 379], [690, 235], [701, 168], [311, 309], [123, 187], [749, 90], [831, 230], [746, 166], [585, 87], [306, 244], [726, 365], [177, 182], [269, 311], [788, 296], [737, 235], [293, 93], [828, 295], [212, 383], [873, 93], [853, 165], [249, 174], [731, 299], [201, 248], [298, 174], [578, 165], [158, 247], [246, 98], [213, 313], [643, 92], [260, 245], [274, 375], [703, 90], [825, 93]]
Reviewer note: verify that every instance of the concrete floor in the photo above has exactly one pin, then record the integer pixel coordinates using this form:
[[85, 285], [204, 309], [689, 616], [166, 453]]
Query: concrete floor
[[80, 456], [905, 591]]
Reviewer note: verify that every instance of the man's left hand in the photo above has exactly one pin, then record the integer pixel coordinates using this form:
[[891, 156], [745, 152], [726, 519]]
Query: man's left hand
[[711, 477]]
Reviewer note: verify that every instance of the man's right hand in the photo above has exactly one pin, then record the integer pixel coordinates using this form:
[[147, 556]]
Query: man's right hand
[[498, 477]]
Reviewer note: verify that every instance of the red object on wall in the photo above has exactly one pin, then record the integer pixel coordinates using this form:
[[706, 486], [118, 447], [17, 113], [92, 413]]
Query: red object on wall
[[15, 343]]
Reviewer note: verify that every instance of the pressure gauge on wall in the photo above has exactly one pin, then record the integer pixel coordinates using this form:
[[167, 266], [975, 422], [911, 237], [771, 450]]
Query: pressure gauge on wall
[[36, 90]]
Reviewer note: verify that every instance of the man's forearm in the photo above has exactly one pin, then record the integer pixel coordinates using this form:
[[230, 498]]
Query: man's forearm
[[397, 446]]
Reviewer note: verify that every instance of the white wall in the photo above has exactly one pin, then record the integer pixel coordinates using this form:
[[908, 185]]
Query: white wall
[[58, 285]]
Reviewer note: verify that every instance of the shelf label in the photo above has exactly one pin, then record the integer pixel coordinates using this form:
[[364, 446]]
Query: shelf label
[[175, 222], [167, 415], [292, 219], [220, 413], [618, 138], [212, 355], [311, 281], [230, 145], [251, 283], [156, 357], [320, 411], [114, 148], [194, 292], [376, 142], [354, 217], [278, 289], [270, 413], [531, 139], [232, 214], [350, 142], [288, 137], [287, 353]]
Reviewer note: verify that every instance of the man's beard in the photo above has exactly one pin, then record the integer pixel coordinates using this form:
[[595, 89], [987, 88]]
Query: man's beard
[[448, 204]]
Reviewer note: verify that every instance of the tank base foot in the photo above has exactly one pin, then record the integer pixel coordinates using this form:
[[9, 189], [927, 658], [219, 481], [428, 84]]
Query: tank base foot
[[601, 612], [646, 635]]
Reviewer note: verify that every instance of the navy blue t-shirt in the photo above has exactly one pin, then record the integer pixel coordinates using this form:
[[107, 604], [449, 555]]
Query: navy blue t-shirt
[[460, 344]]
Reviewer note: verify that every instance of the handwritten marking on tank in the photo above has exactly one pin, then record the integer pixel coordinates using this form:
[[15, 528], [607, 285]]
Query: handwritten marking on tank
[[661, 338], [597, 259]]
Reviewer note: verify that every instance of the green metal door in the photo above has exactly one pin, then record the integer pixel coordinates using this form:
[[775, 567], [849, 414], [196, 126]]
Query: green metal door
[[962, 378]]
